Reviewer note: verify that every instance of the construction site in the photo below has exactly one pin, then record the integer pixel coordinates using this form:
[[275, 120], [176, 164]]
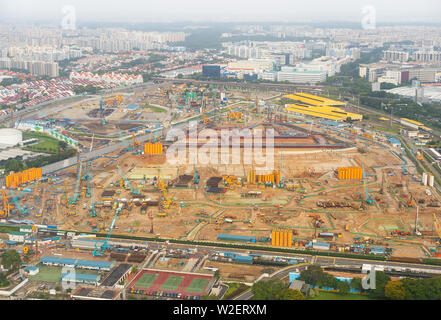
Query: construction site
[[319, 186]]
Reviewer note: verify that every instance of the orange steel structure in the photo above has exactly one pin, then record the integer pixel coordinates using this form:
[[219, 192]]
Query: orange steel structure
[[264, 178], [235, 115], [281, 238], [349, 173], [153, 148], [15, 179]]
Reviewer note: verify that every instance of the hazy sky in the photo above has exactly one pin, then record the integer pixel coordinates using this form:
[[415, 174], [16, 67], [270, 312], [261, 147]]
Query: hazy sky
[[221, 10]]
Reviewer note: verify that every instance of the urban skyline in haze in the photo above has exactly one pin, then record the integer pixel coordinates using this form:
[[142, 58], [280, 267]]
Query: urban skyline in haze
[[133, 11]]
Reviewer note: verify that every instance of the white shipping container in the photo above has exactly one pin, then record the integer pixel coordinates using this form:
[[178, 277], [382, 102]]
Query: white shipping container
[[431, 180], [424, 181]]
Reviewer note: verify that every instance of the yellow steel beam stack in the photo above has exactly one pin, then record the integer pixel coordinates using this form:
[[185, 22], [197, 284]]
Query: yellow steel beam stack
[[153, 148], [281, 238], [15, 179], [251, 176], [350, 173]]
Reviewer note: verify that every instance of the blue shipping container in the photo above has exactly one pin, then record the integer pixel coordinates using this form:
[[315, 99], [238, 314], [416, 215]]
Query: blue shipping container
[[232, 237], [243, 259]]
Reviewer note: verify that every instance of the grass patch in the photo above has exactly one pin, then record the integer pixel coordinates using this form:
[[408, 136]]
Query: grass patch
[[234, 289], [154, 109], [52, 274], [45, 143], [7, 229], [324, 295]]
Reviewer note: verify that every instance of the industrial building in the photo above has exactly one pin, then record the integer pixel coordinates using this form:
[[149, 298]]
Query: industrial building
[[77, 263], [10, 137], [411, 123], [315, 106], [82, 278], [118, 274], [211, 71]]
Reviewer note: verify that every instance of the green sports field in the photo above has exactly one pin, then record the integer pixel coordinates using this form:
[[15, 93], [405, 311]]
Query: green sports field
[[146, 280], [172, 283], [53, 274], [197, 285]]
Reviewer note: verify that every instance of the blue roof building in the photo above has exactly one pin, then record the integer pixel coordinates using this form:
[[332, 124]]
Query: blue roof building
[[77, 263], [80, 278]]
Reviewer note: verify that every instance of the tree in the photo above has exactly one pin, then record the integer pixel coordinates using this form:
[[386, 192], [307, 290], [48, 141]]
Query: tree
[[290, 294], [380, 282], [11, 260], [267, 290], [4, 282], [356, 284], [343, 287], [313, 275], [395, 290], [217, 274]]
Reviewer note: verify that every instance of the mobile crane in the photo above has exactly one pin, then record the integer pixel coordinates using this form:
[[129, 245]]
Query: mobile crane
[[127, 182], [100, 251]]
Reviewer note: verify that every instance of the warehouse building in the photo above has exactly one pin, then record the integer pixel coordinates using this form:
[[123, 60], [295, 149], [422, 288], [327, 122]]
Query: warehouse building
[[118, 274], [87, 244], [211, 71], [411, 123], [320, 107], [76, 263], [83, 278]]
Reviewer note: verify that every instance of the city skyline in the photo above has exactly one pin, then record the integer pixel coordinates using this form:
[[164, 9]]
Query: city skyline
[[22, 11]]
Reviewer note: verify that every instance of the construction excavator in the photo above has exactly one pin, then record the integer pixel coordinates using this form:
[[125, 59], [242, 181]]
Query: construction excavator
[[410, 201]]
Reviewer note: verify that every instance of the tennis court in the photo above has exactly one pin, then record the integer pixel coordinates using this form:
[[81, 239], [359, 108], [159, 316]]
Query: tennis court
[[166, 281], [172, 283], [197, 285], [146, 280]]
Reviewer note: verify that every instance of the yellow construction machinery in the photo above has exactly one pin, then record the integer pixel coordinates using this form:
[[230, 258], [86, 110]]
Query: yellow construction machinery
[[4, 213], [166, 199], [230, 180], [135, 142], [219, 224]]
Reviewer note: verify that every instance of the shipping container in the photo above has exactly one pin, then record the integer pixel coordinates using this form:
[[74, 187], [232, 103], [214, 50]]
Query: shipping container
[[232, 237]]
